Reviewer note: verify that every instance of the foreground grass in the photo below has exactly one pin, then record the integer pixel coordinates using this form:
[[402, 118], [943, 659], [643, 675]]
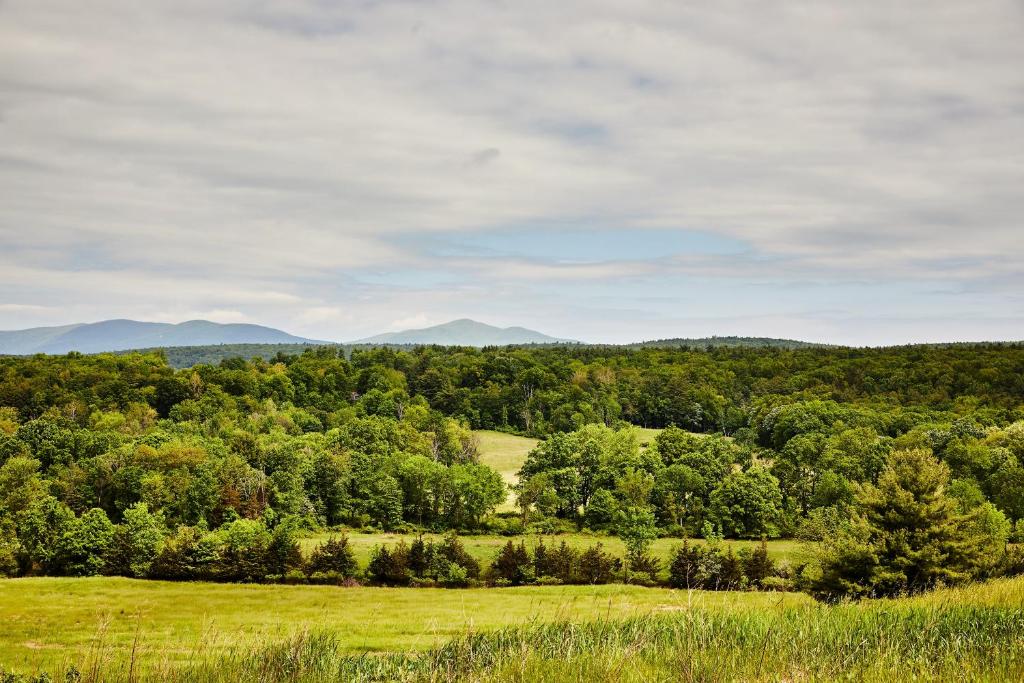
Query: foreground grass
[[47, 622], [486, 547], [975, 634]]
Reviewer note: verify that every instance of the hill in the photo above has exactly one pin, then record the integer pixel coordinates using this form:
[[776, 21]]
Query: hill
[[118, 335], [464, 332], [731, 342]]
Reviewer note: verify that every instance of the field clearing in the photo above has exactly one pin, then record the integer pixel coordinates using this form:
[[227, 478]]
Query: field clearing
[[506, 453], [486, 547], [50, 622], [646, 435]]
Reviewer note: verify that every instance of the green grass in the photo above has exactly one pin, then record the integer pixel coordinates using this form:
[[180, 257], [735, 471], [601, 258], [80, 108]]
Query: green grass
[[486, 547], [205, 633], [646, 435], [49, 622], [506, 453]]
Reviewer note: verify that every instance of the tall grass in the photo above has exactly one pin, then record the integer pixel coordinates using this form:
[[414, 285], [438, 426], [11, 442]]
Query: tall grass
[[942, 637]]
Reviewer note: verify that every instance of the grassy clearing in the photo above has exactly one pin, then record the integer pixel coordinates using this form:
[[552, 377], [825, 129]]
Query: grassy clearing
[[486, 547], [646, 435], [583, 634], [50, 622], [506, 453]]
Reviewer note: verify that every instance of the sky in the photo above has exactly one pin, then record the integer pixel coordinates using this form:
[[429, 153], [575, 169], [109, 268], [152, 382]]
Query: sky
[[845, 172]]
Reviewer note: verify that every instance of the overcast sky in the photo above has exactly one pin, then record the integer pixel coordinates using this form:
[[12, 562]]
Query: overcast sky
[[847, 172]]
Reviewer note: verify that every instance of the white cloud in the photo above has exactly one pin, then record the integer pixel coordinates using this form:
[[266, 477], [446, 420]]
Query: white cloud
[[255, 157]]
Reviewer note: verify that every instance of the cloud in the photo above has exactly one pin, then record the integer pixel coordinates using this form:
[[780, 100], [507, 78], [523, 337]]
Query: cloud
[[287, 160]]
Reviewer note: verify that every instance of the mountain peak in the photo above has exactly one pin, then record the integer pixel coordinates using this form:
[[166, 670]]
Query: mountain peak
[[464, 332]]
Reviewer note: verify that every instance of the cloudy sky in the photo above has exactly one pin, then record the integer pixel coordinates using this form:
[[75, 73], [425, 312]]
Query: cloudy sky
[[609, 171]]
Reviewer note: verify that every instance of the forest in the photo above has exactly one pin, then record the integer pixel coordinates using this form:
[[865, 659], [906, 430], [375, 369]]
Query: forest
[[901, 466]]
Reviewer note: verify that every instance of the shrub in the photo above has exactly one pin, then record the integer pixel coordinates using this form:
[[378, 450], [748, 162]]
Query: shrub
[[188, 554], [564, 563], [334, 556], [294, 577], [451, 549], [242, 551], [644, 568], [731, 576]]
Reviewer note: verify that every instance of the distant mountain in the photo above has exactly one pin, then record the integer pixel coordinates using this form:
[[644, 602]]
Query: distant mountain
[[118, 335], [733, 342], [464, 332]]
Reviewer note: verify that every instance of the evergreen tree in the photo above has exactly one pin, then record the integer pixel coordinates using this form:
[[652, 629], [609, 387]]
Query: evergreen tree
[[334, 555], [684, 566], [390, 567], [757, 566], [596, 566], [513, 564], [906, 537], [731, 575]]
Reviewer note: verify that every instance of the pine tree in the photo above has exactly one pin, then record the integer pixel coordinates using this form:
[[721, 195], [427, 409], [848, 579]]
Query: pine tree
[[334, 555], [418, 560], [513, 564], [683, 569], [907, 535], [731, 575], [758, 566]]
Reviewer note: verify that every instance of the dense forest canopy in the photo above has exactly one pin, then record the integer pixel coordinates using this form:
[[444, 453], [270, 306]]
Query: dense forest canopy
[[116, 449]]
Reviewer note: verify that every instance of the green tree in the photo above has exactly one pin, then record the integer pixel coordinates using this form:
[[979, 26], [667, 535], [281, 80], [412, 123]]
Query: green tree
[[82, 544], [333, 555], [906, 536], [637, 528], [135, 543], [513, 564], [747, 504]]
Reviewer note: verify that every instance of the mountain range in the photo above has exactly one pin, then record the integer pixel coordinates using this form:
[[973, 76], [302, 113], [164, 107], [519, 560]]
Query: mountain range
[[119, 335], [123, 335]]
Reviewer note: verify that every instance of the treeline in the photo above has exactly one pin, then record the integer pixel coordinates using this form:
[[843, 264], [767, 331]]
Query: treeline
[[797, 442], [540, 391]]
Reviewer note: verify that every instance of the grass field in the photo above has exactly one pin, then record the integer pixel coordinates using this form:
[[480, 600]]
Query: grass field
[[314, 634], [49, 622], [506, 453], [485, 547]]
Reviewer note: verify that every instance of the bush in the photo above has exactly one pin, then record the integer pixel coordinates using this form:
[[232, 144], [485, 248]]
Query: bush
[[644, 568], [328, 578], [334, 556], [242, 551], [451, 549], [454, 576], [189, 554], [294, 577]]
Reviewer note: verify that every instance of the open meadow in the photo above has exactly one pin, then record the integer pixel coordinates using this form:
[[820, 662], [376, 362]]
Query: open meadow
[[49, 622], [115, 629], [506, 453]]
